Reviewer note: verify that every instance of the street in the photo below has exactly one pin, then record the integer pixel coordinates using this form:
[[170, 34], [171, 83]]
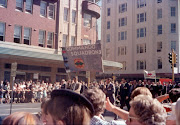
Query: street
[[35, 108]]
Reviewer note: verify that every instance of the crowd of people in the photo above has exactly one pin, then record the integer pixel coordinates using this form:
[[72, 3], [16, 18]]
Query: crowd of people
[[76, 103], [29, 91]]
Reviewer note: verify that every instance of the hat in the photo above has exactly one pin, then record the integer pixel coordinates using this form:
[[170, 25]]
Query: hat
[[77, 98]]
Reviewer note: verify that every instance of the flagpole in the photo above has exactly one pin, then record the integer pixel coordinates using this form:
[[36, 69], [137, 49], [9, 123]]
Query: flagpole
[[144, 75]]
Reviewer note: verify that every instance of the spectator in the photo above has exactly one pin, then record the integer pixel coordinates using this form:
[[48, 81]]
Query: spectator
[[174, 94], [178, 112], [97, 98], [21, 118], [146, 111], [68, 107]]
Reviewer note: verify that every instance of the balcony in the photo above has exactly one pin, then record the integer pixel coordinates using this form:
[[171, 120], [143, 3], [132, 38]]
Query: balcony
[[92, 8]]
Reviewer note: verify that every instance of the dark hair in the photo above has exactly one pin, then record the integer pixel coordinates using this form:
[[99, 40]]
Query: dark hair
[[174, 94]]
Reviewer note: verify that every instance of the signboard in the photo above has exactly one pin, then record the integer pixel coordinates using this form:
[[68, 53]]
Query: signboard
[[149, 74], [13, 69], [87, 74], [83, 58], [35, 75]]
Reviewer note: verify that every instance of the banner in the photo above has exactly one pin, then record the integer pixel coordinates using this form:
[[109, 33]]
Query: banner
[[149, 74], [83, 58]]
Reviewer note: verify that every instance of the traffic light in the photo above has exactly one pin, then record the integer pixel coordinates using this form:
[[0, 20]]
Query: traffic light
[[170, 57], [176, 58]]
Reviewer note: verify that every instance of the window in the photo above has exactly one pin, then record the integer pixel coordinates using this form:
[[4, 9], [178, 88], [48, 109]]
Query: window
[[141, 17], [107, 52], [51, 11], [19, 5], [108, 38], [123, 21], [27, 35], [159, 62], [141, 48], [159, 29], [159, 46], [108, 11], [141, 64], [141, 3], [86, 41], [108, 24], [159, 13], [124, 35], [87, 20], [65, 14], [122, 8], [50, 39], [73, 16], [173, 45], [17, 34], [173, 11], [122, 50], [159, 1], [29, 6], [3, 3], [43, 8], [124, 65], [2, 31], [41, 38], [141, 32], [108, 1], [173, 28], [73, 41], [65, 37]]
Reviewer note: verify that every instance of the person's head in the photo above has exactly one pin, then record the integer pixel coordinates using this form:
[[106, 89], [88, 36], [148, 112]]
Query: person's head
[[21, 118], [97, 98], [67, 107], [141, 90], [146, 111], [177, 111], [174, 94]]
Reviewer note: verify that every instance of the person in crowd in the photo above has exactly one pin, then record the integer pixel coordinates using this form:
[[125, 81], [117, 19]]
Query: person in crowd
[[174, 94], [67, 107], [97, 98], [123, 113], [1, 92], [21, 118], [125, 94], [177, 112], [146, 111], [76, 86]]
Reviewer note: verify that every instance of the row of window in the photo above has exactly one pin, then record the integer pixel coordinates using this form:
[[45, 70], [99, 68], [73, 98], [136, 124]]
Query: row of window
[[141, 32], [141, 48], [141, 64], [27, 35], [73, 41], [141, 17], [29, 7]]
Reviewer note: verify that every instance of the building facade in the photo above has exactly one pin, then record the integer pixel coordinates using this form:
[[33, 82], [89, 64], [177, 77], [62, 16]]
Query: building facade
[[32, 33], [140, 34]]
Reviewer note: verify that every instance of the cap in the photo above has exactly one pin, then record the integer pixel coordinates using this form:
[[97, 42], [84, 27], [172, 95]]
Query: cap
[[77, 98]]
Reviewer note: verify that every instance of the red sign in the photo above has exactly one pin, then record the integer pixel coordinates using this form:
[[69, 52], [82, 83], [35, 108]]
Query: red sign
[[165, 80]]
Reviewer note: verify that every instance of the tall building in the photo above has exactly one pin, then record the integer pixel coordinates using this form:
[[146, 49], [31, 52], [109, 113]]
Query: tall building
[[140, 34], [32, 33]]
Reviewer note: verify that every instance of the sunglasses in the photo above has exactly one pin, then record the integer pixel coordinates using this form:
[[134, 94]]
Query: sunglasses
[[130, 118]]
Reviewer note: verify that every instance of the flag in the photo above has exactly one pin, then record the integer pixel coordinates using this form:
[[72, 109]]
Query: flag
[[149, 74]]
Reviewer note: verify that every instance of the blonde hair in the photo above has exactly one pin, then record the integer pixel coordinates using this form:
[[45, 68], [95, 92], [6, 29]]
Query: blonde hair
[[177, 111], [20, 118], [148, 110], [141, 90]]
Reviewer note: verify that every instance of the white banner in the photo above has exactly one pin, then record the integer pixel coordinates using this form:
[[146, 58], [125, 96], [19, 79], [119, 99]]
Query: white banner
[[149, 74]]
